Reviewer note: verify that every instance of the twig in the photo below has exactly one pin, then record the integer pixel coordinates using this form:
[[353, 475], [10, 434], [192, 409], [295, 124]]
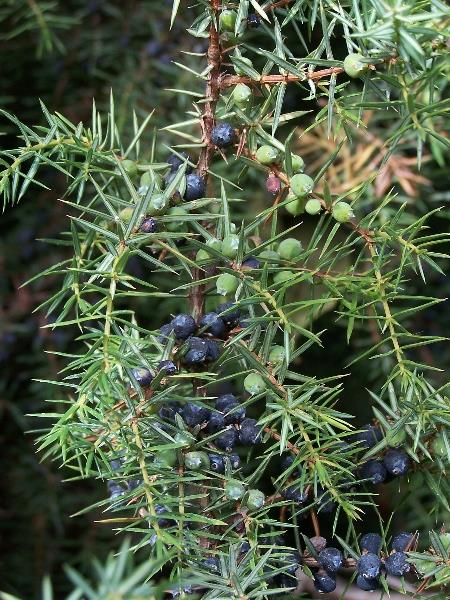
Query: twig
[[231, 80]]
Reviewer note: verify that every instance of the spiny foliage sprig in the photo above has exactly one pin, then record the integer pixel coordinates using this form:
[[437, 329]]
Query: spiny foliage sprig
[[211, 503]]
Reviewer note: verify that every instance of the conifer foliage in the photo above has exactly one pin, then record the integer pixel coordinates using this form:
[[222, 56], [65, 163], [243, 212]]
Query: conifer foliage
[[237, 473]]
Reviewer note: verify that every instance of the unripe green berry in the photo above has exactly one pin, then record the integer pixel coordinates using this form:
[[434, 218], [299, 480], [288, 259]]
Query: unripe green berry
[[184, 438], [234, 490], [130, 168], [289, 249], [342, 212], [313, 207], [269, 255], [245, 60], [283, 276], [302, 185], [227, 20], [354, 65], [230, 246], [226, 284], [439, 446], [126, 214], [277, 354], [396, 438], [298, 164], [179, 225], [202, 255], [254, 384], [196, 461], [158, 205], [267, 155], [214, 243], [296, 207], [255, 500], [166, 458], [241, 94], [148, 178]]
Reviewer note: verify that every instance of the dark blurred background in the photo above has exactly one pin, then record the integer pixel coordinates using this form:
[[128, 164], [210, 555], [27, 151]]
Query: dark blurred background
[[77, 51]]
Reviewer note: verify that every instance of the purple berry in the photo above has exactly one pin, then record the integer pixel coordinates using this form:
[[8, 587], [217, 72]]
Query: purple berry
[[370, 542], [323, 582], [175, 161], [231, 314], [367, 585], [331, 559], [223, 135], [369, 436], [227, 440], [401, 541], [213, 324], [184, 326], [168, 367], [149, 225], [195, 187], [369, 566], [374, 470], [249, 432], [194, 414], [397, 564], [397, 462]]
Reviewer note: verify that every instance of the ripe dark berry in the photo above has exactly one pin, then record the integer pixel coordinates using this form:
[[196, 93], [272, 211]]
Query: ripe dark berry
[[331, 559], [114, 490], [216, 422], [224, 401], [323, 582], [195, 187], [370, 542], [194, 415], [369, 566], [231, 314], [228, 404], [367, 585], [251, 263], [164, 333], [249, 432], [143, 376], [396, 462], [295, 494], [116, 463], [216, 463], [227, 440], [286, 461], [213, 351], [401, 541], [213, 324], [235, 461], [184, 326], [211, 564], [149, 225], [397, 564], [374, 470], [197, 351], [168, 411], [163, 522], [253, 21], [223, 135], [175, 161], [168, 367], [368, 437], [133, 484]]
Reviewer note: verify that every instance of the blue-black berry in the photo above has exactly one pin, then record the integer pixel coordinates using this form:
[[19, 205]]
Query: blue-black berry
[[115, 490], [197, 351], [143, 376], [148, 225], [235, 461], [213, 324], [253, 21], [295, 494], [223, 135], [369, 436], [163, 522], [396, 462], [231, 314], [251, 263], [286, 461], [370, 542], [374, 470], [193, 414], [325, 503], [331, 559], [227, 440], [184, 326], [195, 187], [369, 566], [164, 332], [228, 404], [213, 351], [168, 366], [402, 541], [397, 564], [216, 422], [169, 410], [367, 585], [249, 432], [211, 564], [323, 582], [175, 161], [216, 463]]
